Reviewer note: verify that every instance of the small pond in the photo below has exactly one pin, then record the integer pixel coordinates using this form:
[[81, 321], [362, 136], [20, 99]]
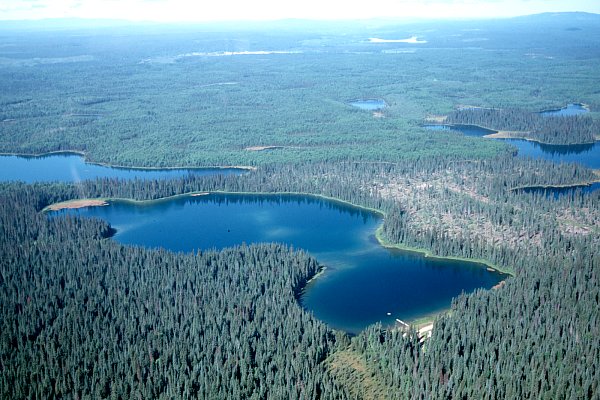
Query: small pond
[[368, 104]]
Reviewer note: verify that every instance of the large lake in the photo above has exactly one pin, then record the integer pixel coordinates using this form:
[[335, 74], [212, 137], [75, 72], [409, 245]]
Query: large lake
[[362, 282], [69, 167]]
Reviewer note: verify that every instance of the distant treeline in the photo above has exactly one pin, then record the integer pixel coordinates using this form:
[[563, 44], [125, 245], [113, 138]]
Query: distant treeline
[[572, 129]]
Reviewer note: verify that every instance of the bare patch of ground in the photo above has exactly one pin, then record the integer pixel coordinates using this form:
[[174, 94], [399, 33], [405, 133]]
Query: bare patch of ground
[[350, 367], [76, 204], [262, 148], [508, 135], [436, 118]]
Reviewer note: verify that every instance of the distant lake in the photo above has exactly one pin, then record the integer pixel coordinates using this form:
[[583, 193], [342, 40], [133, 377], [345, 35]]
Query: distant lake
[[368, 104], [467, 130], [69, 167], [362, 282], [557, 192], [586, 154], [570, 109]]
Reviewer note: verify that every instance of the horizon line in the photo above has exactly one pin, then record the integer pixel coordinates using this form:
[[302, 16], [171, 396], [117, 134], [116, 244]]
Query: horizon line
[[324, 20]]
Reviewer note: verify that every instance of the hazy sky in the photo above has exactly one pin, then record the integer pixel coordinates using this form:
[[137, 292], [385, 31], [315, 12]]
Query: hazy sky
[[211, 10]]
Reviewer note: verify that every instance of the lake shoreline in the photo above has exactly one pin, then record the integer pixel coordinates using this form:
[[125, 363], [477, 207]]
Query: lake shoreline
[[103, 164], [419, 319], [504, 134], [378, 233], [428, 254], [73, 204], [521, 136], [558, 186]]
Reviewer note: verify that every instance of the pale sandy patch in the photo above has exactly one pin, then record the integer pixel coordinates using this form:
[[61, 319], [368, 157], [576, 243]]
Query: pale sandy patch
[[72, 204], [261, 148], [411, 40], [507, 135], [436, 118]]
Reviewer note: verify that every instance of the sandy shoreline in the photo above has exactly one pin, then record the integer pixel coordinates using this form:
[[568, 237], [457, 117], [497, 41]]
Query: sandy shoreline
[[507, 135], [72, 204]]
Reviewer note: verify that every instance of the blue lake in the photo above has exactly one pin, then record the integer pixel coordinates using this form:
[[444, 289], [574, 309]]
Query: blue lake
[[362, 282], [586, 154], [69, 167], [557, 192], [368, 104], [569, 110], [467, 130]]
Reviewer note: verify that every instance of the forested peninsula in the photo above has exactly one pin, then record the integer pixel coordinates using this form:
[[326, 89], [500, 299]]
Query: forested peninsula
[[515, 123]]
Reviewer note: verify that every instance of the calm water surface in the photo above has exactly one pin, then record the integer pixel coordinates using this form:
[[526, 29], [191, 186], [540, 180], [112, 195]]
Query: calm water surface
[[570, 109], [563, 191], [369, 104], [363, 281], [467, 130], [586, 154], [73, 168]]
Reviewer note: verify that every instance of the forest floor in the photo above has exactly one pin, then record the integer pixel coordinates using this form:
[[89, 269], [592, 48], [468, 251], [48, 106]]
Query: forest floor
[[350, 366], [76, 204], [508, 135]]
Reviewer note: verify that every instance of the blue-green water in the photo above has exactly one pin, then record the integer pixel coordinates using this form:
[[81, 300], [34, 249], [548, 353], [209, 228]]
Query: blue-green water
[[569, 110], [368, 104], [69, 167], [362, 282]]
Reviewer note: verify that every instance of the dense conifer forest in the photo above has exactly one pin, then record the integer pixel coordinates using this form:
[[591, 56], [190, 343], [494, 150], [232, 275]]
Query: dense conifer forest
[[85, 317], [60, 273]]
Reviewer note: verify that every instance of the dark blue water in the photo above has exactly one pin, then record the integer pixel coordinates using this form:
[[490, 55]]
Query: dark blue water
[[363, 281], [569, 110], [557, 192], [369, 104], [468, 130], [585, 154], [73, 168]]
